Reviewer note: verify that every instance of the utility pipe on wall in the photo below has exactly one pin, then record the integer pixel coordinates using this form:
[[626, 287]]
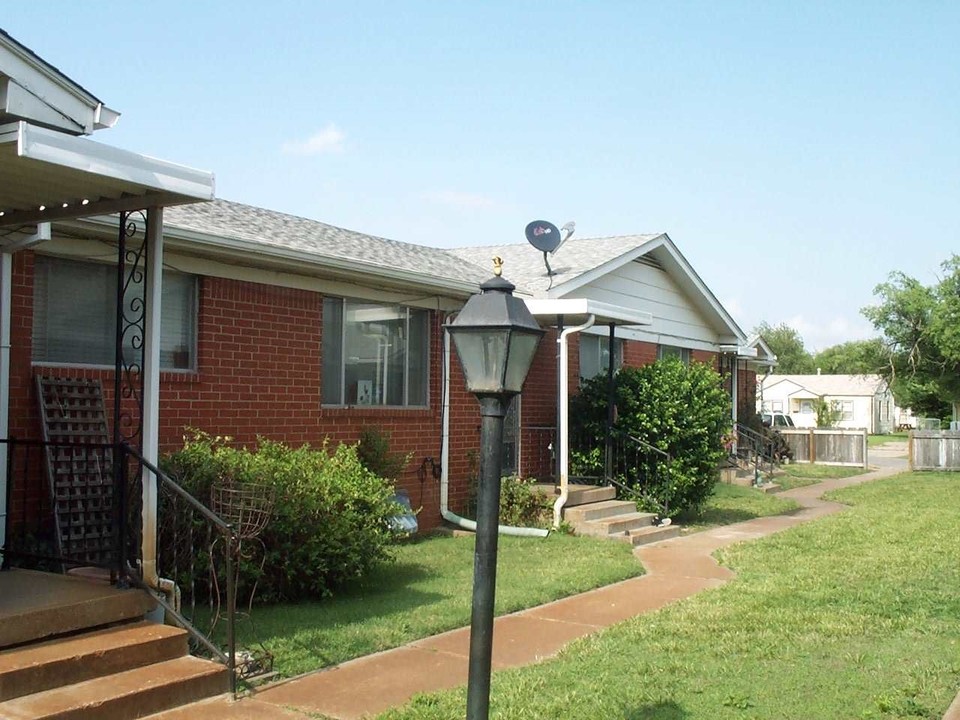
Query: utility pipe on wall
[[445, 511], [563, 430]]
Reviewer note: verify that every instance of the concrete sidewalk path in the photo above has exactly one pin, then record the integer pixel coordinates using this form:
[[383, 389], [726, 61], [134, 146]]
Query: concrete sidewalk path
[[676, 569]]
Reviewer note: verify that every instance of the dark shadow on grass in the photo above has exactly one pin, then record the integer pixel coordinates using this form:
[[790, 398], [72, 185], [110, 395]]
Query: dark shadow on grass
[[668, 710], [717, 516]]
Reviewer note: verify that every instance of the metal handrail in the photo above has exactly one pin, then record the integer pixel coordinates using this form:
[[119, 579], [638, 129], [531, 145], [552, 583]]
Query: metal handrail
[[231, 541]]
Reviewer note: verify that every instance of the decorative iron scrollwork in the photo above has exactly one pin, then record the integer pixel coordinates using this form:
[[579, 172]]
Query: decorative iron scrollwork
[[131, 309]]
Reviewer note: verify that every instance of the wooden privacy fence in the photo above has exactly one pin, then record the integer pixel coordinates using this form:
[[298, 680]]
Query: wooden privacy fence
[[827, 446], [935, 450]]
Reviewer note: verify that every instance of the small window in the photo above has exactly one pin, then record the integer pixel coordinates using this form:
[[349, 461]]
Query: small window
[[75, 316], [374, 354], [846, 407], [776, 406], [668, 351], [806, 407], [595, 355]]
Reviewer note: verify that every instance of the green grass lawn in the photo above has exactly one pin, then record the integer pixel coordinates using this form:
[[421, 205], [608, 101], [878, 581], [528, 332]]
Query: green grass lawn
[[428, 591], [732, 504], [875, 440], [856, 615], [799, 474]]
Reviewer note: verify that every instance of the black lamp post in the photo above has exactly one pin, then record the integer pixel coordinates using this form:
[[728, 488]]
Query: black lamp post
[[496, 338]]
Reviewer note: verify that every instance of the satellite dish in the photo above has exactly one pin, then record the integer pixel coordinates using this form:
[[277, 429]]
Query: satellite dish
[[543, 235]]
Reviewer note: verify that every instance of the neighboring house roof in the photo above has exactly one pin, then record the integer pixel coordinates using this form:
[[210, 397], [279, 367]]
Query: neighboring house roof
[[830, 385], [36, 91], [267, 232], [582, 261]]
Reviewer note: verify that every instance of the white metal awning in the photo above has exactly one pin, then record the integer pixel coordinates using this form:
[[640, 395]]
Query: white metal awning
[[47, 175], [575, 311]]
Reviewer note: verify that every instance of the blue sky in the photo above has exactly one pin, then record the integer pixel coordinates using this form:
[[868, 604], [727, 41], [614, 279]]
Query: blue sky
[[795, 152]]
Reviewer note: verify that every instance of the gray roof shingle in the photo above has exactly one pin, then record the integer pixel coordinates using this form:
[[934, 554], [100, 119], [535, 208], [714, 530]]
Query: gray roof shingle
[[317, 240], [523, 263]]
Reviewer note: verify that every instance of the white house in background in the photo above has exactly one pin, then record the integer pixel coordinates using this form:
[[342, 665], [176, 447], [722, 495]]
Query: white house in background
[[865, 401]]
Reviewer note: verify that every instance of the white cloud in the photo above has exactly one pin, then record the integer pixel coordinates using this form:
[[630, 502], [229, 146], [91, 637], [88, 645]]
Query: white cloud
[[328, 140], [463, 200]]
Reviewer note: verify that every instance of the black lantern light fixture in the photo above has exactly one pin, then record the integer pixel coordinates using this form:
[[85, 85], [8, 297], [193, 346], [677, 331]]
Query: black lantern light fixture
[[496, 338]]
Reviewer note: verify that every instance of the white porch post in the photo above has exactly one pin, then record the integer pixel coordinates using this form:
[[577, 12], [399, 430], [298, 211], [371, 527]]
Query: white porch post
[[151, 391], [6, 278]]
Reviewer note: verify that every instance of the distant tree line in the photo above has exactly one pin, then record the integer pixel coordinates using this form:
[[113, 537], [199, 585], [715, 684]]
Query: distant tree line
[[918, 351]]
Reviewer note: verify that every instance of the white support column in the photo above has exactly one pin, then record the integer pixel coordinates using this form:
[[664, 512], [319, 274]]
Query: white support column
[[6, 278], [734, 386], [151, 391]]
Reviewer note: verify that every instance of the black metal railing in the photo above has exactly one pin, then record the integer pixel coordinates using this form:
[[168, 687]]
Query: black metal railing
[[63, 506], [75, 504], [538, 452], [638, 469], [759, 450], [196, 562]]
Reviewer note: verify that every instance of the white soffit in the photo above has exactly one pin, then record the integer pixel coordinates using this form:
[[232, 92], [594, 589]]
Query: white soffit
[[575, 309], [73, 177]]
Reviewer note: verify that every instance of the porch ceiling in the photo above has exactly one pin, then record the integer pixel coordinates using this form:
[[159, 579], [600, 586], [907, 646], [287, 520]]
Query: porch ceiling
[[47, 175]]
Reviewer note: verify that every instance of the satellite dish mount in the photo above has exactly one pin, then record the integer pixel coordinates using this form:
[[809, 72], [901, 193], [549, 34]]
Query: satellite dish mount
[[546, 238]]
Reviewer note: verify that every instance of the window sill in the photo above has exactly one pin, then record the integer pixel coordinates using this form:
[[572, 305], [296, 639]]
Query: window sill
[[375, 411]]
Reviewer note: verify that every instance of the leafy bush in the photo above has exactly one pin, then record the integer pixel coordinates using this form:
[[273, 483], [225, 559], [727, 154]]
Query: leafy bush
[[329, 520], [523, 505], [679, 409], [375, 455]]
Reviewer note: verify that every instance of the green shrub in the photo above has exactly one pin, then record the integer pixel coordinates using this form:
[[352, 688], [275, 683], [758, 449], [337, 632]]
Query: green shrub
[[329, 520], [375, 455], [680, 409], [523, 505]]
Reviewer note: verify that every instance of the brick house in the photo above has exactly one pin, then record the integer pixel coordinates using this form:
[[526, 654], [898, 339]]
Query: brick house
[[278, 326]]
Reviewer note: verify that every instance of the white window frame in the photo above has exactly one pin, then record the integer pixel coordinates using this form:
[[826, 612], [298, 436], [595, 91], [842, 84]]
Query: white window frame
[[597, 344], [344, 303], [108, 362]]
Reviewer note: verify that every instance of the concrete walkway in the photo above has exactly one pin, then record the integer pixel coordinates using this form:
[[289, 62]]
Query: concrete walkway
[[676, 569]]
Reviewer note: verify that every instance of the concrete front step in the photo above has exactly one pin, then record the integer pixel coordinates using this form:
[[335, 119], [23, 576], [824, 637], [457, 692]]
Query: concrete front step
[[616, 525], [130, 694], [42, 666], [584, 494], [598, 510], [652, 534], [38, 605]]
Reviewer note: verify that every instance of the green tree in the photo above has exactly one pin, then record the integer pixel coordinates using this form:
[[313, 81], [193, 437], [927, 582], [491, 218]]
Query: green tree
[[921, 336], [787, 345], [857, 357]]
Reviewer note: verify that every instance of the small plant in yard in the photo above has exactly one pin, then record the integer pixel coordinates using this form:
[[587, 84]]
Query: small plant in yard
[[330, 518], [523, 505], [375, 454]]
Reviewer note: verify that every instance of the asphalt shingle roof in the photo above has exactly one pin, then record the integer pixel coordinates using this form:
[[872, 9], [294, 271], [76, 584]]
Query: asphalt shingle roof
[[317, 240], [523, 263]]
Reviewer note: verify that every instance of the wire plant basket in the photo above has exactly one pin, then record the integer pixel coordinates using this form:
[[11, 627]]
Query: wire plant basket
[[246, 506]]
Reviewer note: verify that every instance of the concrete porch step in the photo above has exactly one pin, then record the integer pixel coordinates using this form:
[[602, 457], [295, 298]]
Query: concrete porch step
[[130, 694], [598, 510], [584, 494], [37, 605], [43, 666], [652, 534], [615, 525]]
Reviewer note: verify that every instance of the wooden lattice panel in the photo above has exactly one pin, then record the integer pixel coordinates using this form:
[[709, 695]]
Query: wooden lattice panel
[[80, 476]]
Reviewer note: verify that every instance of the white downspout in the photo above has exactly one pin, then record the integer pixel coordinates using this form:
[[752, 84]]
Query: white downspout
[[445, 511], [563, 422]]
